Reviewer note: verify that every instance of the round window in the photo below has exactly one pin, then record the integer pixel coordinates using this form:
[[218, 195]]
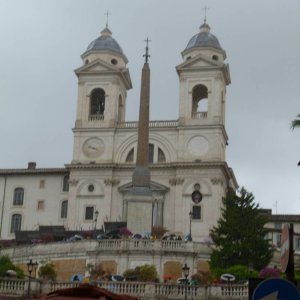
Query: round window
[[91, 188], [114, 61]]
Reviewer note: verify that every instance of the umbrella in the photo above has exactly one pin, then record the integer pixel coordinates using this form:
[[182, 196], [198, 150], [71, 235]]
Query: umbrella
[[76, 278]]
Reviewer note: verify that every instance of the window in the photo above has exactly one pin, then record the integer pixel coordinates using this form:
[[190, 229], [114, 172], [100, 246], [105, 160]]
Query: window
[[200, 101], [278, 239], [64, 209], [130, 155], [66, 183], [161, 156], [151, 153], [16, 221], [297, 243], [97, 102], [42, 184], [40, 205], [89, 213], [18, 196], [196, 212], [278, 226]]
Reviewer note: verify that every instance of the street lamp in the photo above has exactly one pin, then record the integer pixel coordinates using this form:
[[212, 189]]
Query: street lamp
[[191, 217], [186, 271], [30, 267], [96, 218]]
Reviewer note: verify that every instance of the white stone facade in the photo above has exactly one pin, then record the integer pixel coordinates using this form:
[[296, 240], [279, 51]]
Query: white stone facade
[[187, 154]]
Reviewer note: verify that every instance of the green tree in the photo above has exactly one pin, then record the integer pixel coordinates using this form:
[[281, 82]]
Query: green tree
[[47, 271], [6, 264], [240, 237], [143, 273], [296, 123]]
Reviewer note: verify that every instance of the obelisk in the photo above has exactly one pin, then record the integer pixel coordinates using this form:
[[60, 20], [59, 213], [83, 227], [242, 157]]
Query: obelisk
[[141, 173], [138, 203]]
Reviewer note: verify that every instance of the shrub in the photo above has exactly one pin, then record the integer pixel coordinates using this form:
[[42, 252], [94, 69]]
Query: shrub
[[143, 273], [125, 232], [6, 264], [47, 271]]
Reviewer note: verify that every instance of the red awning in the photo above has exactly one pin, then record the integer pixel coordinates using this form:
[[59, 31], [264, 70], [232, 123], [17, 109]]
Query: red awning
[[85, 292]]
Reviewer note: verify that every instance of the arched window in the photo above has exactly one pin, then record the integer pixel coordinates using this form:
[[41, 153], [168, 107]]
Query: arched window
[[97, 102], [66, 183], [64, 209], [120, 109], [151, 153], [18, 196], [161, 156], [16, 221], [200, 101], [130, 156], [155, 155]]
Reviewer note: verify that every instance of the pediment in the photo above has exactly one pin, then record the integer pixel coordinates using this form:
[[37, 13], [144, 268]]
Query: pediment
[[97, 66], [199, 61], [154, 186]]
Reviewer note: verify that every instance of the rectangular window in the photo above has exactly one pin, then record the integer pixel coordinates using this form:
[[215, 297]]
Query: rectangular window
[[151, 153], [196, 212], [18, 196], [64, 209], [297, 243], [278, 225], [278, 239], [16, 221], [89, 213], [42, 184], [40, 205]]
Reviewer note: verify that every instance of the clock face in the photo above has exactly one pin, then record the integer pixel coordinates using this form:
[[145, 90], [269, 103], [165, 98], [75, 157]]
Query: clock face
[[93, 147]]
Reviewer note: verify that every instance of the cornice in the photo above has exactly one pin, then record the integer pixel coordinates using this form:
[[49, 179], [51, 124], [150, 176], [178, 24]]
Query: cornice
[[8, 172]]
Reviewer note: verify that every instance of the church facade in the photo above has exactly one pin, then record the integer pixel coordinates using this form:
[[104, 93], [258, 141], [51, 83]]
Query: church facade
[[186, 156]]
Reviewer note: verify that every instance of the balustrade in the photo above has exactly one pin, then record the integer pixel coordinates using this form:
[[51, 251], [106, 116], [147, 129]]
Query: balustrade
[[163, 123], [199, 115], [18, 287]]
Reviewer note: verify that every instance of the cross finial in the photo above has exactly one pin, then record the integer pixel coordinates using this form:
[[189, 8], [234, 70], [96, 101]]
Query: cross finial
[[147, 55], [205, 8], [107, 14]]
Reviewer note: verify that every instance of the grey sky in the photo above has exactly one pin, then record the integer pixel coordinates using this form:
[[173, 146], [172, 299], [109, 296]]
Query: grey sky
[[41, 44]]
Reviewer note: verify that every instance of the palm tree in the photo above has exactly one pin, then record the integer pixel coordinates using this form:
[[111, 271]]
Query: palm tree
[[296, 123]]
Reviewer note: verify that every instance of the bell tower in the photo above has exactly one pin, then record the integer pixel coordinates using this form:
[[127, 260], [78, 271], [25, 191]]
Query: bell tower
[[203, 77], [103, 81]]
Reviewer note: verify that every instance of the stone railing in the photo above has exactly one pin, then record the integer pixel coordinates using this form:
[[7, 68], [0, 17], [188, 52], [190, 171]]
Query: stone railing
[[164, 123], [199, 115], [141, 290], [96, 117], [156, 245]]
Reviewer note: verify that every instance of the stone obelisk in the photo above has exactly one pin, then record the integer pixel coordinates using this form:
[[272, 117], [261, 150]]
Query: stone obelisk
[[138, 203], [141, 174]]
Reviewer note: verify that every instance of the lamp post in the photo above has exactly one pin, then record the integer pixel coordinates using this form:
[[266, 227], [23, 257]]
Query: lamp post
[[186, 271], [96, 218], [191, 217], [30, 267]]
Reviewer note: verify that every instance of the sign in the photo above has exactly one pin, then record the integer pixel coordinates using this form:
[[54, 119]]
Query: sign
[[276, 289], [285, 248]]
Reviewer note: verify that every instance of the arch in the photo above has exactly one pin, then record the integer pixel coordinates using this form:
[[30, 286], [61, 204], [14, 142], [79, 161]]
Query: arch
[[97, 102], [200, 100], [18, 196], [160, 141], [16, 222], [189, 187], [64, 209], [83, 190]]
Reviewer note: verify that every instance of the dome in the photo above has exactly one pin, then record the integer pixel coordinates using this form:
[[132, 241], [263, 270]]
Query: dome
[[103, 43], [204, 39]]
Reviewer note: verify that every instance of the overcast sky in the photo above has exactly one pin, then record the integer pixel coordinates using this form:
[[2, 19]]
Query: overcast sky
[[41, 44]]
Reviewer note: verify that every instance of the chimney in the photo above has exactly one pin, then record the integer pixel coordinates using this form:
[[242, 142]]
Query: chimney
[[31, 165]]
